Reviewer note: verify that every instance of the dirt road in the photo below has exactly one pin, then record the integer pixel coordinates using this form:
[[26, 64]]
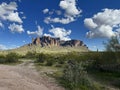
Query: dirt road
[[24, 77]]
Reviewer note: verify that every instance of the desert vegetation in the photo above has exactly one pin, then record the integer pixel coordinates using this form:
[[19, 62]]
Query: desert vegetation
[[9, 58], [77, 70]]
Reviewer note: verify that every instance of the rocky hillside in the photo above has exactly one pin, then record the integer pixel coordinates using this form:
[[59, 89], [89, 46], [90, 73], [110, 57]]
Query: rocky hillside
[[50, 42]]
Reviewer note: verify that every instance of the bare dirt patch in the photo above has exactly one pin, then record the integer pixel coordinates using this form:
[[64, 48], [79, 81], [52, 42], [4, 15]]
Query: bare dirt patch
[[24, 77]]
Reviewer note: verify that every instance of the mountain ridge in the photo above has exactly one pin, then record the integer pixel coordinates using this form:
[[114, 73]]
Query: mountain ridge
[[47, 44], [51, 42]]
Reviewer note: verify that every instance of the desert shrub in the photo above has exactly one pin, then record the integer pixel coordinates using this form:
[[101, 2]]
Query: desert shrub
[[104, 57], [49, 62], [2, 59], [11, 57], [75, 77], [41, 58], [30, 54], [72, 56], [117, 57], [105, 61], [108, 58], [63, 58], [61, 61], [59, 65]]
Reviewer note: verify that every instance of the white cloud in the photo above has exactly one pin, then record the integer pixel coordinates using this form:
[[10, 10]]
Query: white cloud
[[70, 7], [24, 17], [45, 11], [9, 12], [61, 33], [21, 12], [51, 12], [90, 24], [16, 28], [71, 13], [59, 20], [1, 25], [45, 34], [3, 47], [13, 17], [56, 32], [58, 12], [19, 0], [103, 24], [39, 32]]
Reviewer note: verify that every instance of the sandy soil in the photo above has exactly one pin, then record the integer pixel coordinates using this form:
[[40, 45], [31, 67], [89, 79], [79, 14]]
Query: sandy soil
[[24, 77]]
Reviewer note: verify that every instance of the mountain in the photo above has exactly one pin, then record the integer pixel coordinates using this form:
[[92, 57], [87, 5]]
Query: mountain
[[46, 44], [47, 41]]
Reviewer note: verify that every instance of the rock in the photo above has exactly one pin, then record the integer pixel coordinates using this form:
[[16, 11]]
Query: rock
[[51, 42], [72, 43], [37, 41]]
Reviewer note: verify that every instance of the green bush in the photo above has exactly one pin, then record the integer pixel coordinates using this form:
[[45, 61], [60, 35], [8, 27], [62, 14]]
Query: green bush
[[11, 57], [2, 59], [31, 55], [105, 61], [41, 58], [75, 77], [49, 62]]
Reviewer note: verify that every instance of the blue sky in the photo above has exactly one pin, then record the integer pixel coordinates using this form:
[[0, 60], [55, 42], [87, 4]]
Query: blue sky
[[90, 21]]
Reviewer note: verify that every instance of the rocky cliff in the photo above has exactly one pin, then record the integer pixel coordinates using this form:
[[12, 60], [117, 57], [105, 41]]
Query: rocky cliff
[[49, 41]]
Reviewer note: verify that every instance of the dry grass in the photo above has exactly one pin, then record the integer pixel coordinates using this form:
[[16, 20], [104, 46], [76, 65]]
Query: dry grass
[[23, 50]]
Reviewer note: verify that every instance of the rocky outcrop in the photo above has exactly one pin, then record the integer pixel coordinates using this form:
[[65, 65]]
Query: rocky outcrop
[[49, 41], [72, 43], [46, 41]]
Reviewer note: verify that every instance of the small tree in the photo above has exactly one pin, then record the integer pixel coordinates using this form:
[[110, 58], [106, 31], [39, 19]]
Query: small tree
[[112, 44]]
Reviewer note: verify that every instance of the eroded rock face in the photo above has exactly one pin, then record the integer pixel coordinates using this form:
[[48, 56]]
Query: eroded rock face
[[38, 41], [49, 41], [72, 43]]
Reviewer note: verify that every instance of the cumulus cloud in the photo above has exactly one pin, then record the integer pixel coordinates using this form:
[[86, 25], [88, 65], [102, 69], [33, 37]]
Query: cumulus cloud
[[58, 12], [45, 34], [24, 17], [50, 12], [90, 24], [45, 11], [104, 24], [19, 0], [55, 32], [16, 28], [13, 17], [39, 32], [9, 12], [70, 8], [62, 33], [1, 25], [71, 12], [59, 20]]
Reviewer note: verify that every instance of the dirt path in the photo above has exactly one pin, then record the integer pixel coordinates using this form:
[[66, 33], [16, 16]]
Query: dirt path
[[24, 77]]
